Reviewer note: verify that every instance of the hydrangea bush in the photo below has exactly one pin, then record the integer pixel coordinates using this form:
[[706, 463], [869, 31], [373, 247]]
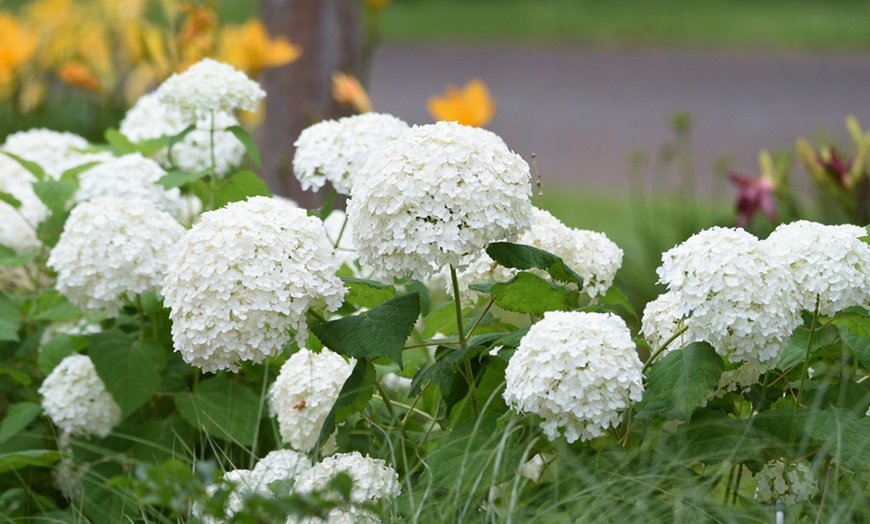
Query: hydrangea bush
[[264, 363]]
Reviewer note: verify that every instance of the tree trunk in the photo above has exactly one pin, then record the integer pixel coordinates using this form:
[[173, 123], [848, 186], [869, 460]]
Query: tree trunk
[[299, 94]]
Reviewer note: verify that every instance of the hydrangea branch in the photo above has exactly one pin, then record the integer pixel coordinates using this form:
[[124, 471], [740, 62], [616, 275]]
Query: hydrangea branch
[[469, 374]]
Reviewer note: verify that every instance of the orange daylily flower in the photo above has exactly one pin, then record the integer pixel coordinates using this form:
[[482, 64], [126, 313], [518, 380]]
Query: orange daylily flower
[[471, 106], [347, 89], [78, 75], [199, 20], [17, 45], [249, 48]]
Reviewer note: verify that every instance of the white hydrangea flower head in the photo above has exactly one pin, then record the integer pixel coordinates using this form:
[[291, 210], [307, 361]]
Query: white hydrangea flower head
[[660, 322], [112, 250], [336, 150], [209, 87], [18, 226], [577, 371], [828, 262], [80, 327], [304, 392], [76, 399], [590, 254], [277, 465], [739, 379], [435, 196], [149, 119], [130, 177], [791, 485], [351, 515], [243, 277], [734, 292], [373, 479], [53, 151]]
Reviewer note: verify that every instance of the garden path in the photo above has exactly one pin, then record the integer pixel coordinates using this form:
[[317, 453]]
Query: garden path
[[582, 110]]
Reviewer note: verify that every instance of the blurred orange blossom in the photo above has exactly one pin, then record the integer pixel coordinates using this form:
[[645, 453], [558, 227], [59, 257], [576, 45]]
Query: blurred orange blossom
[[472, 105], [347, 89]]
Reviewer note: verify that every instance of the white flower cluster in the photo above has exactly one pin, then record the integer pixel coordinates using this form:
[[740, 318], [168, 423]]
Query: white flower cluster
[[592, 255], [373, 479], [435, 196], [278, 465], [304, 393], [734, 293], [18, 226], [129, 177], [76, 400], [828, 262], [209, 87], [739, 379], [790, 484], [660, 322], [53, 151], [336, 150], [113, 249], [577, 371], [243, 277], [149, 119]]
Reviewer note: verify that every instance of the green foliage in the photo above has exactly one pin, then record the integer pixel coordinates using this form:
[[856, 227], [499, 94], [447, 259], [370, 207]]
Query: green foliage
[[380, 332], [223, 409], [527, 293], [680, 381], [239, 186], [130, 369]]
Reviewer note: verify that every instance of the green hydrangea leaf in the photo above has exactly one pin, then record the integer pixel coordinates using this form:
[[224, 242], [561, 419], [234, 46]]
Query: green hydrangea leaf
[[379, 332]]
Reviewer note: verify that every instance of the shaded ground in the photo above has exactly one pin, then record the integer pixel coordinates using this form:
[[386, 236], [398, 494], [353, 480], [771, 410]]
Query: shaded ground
[[583, 110]]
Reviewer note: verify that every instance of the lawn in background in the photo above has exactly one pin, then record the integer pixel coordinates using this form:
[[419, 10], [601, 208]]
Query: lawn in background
[[806, 24]]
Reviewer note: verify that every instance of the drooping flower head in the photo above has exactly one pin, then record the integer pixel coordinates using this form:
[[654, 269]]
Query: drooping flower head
[[792, 483], [577, 371], [129, 177], [304, 393], [243, 278], [733, 292], [149, 119], [76, 400], [336, 150], [830, 263], [437, 196], [209, 87], [112, 250]]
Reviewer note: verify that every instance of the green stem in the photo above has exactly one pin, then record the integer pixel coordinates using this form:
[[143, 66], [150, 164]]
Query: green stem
[[469, 376], [661, 349], [807, 354], [413, 405], [389, 404], [259, 414]]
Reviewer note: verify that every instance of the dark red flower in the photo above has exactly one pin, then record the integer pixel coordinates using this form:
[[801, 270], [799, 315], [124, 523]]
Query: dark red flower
[[837, 168], [754, 194]]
